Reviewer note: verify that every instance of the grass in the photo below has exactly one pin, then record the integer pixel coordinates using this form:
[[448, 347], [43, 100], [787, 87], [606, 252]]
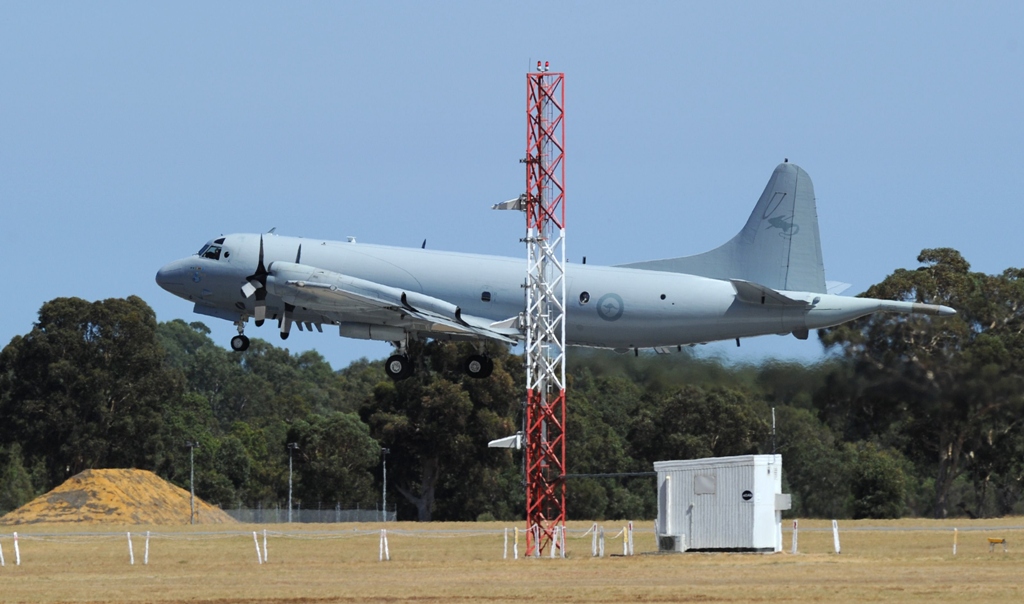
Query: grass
[[890, 561]]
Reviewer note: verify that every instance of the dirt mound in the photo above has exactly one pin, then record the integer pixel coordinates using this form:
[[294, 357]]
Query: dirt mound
[[115, 497]]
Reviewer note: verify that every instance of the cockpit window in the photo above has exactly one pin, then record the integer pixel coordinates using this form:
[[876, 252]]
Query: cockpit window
[[210, 251]]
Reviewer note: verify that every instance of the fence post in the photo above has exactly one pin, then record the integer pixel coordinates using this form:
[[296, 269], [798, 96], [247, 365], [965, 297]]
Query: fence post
[[131, 552], [256, 542], [145, 557]]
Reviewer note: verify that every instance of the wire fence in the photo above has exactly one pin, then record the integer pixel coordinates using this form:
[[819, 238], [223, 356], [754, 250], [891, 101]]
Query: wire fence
[[278, 515]]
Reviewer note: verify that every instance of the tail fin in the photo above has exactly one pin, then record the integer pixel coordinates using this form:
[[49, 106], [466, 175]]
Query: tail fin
[[779, 247]]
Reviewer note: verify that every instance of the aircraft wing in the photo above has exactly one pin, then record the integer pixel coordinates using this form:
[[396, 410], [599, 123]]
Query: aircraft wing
[[348, 298]]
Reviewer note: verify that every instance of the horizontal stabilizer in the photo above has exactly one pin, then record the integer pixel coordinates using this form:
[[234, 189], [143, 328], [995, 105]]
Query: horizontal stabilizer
[[836, 287], [752, 293]]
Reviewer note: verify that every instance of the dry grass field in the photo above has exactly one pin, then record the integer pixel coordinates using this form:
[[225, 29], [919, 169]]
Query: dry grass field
[[880, 562]]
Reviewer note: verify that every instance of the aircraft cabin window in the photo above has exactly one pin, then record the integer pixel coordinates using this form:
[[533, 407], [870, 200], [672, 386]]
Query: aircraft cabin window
[[485, 296], [221, 240]]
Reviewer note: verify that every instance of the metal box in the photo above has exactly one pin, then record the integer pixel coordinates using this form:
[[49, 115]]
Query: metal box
[[731, 504]]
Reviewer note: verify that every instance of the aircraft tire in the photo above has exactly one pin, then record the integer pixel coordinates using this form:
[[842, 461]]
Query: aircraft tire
[[478, 366], [398, 367], [239, 343]]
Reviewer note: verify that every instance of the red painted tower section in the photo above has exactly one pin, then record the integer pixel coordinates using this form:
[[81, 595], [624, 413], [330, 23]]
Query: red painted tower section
[[544, 204]]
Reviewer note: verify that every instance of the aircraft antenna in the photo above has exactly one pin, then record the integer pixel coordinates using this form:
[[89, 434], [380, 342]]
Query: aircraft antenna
[[544, 204]]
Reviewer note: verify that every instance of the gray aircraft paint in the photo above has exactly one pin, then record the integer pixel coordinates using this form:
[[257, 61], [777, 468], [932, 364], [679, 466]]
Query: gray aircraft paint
[[769, 279]]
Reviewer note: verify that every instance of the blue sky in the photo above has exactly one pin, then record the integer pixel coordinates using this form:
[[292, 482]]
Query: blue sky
[[131, 133]]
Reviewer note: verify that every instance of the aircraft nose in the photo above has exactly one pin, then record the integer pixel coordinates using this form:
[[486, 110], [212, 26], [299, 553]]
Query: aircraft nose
[[171, 277]]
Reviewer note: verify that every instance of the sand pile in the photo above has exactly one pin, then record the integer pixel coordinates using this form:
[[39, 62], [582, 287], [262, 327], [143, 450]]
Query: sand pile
[[115, 497]]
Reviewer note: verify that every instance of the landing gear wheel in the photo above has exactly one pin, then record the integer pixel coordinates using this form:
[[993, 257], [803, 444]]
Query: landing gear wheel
[[398, 367], [478, 366], [239, 343]]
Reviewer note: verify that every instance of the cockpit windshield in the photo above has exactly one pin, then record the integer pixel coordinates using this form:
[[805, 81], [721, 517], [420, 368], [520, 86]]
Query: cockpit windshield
[[211, 251]]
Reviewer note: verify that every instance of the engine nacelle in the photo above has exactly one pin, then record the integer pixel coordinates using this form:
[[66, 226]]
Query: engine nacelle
[[367, 331]]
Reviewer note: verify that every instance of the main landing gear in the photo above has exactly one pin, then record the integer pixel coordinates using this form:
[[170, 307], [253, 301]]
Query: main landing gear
[[240, 343], [478, 366], [400, 367]]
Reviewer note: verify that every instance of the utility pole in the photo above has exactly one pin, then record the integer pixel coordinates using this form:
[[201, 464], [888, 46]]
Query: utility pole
[[291, 447], [192, 480], [384, 481]]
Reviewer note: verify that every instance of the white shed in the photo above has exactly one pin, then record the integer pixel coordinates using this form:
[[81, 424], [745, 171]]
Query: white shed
[[721, 504]]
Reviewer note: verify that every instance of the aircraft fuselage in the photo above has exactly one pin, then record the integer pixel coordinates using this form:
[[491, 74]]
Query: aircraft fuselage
[[607, 307]]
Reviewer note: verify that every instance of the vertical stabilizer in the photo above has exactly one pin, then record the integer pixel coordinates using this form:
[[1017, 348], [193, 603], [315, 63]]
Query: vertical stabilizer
[[779, 247]]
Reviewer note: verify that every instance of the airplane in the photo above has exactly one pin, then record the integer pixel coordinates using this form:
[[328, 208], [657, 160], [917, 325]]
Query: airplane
[[768, 279]]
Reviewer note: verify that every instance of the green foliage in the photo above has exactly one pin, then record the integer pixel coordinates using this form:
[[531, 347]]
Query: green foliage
[[334, 459], [87, 387], [878, 484], [437, 425], [692, 423], [15, 481], [943, 391]]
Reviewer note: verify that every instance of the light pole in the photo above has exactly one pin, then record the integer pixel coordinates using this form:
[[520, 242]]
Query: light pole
[[384, 481], [291, 447], [192, 479]]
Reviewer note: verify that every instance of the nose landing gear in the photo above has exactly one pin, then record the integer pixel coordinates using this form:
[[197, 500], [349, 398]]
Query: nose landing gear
[[240, 343]]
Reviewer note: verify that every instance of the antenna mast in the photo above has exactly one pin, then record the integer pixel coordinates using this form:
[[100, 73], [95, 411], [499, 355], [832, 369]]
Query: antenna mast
[[544, 203]]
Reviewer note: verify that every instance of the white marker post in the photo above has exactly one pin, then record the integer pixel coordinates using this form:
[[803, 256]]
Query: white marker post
[[2, 555], [131, 552], [17, 552], [600, 544], [256, 542], [954, 541], [630, 537], [504, 550], [515, 543], [793, 550], [835, 535], [264, 546], [384, 554], [593, 541], [145, 557], [554, 542]]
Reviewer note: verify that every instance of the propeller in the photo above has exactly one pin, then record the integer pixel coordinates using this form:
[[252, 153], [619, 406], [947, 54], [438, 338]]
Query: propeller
[[285, 321], [256, 283]]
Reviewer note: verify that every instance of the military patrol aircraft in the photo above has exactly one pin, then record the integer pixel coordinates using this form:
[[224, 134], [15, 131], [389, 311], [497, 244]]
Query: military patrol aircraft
[[768, 279]]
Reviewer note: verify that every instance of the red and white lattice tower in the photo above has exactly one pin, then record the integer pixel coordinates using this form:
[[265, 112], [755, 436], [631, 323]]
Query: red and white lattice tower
[[544, 204]]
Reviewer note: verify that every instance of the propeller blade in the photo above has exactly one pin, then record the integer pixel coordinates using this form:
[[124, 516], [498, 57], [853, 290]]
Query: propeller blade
[[249, 288], [260, 312], [256, 283], [286, 321]]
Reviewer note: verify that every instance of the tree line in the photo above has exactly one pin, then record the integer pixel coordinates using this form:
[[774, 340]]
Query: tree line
[[908, 416]]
